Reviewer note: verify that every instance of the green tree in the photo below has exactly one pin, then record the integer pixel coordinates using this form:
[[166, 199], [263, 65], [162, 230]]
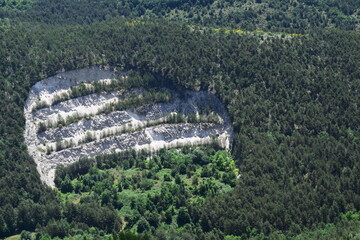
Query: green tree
[[143, 225], [66, 185], [183, 216], [25, 235]]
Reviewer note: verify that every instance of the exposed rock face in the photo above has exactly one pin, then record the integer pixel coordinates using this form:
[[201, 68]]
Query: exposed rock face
[[143, 128]]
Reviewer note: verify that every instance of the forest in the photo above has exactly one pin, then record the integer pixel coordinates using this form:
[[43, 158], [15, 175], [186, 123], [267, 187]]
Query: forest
[[273, 15], [293, 101]]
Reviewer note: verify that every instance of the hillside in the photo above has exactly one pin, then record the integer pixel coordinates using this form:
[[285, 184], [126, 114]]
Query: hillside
[[267, 15], [292, 99]]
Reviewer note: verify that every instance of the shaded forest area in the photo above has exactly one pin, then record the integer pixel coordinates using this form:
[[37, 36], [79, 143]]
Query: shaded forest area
[[294, 105]]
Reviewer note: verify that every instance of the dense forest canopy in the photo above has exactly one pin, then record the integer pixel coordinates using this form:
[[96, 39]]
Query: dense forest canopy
[[293, 101], [274, 15]]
